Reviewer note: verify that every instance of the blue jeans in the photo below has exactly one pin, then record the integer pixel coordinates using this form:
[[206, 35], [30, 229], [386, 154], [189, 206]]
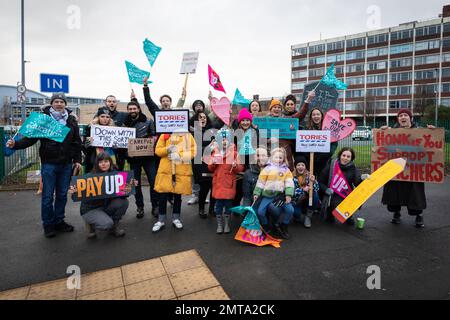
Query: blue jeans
[[298, 209], [55, 180], [262, 210], [220, 204], [287, 209]]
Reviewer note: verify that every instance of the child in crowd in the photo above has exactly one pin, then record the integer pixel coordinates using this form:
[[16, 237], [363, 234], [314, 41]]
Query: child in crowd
[[225, 165], [302, 179], [251, 175], [275, 186]]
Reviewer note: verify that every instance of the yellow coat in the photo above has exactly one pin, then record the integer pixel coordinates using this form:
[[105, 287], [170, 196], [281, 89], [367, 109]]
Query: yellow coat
[[186, 148]]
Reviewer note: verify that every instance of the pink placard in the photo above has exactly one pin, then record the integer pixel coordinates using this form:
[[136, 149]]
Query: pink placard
[[222, 109], [339, 129]]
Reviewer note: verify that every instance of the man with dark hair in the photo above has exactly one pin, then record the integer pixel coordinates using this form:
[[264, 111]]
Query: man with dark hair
[[145, 128], [165, 100], [58, 160]]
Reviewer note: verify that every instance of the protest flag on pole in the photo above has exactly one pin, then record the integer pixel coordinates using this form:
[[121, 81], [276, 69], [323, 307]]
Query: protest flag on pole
[[240, 100], [214, 80], [135, 74], [151, 51]]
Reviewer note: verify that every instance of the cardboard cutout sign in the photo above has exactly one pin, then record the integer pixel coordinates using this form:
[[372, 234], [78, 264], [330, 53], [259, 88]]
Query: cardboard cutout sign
[[422, 148], [339, 129], [102, 186], [367, 188], [141, 147], [222, 109]]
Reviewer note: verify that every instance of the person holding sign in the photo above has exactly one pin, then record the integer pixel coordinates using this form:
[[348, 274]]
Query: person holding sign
[[58, 161], [103, 214], [302, 179], [165, 100], [337, 180], [102, 118], [145, 128], [398, 194], [275, 186], [174, 174]]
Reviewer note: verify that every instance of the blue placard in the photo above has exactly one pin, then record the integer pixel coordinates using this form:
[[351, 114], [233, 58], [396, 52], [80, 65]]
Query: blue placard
[[287, 127], [54, 83]]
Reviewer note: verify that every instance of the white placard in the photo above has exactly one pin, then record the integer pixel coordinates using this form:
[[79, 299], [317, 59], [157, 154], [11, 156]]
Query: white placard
[[313, 141], [189, 63], [170, 121], [112, 137]]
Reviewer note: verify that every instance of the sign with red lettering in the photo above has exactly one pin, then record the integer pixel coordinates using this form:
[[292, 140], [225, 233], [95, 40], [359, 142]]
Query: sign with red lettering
[[423, 150], [170, 121], [313, 141], [339, 129]]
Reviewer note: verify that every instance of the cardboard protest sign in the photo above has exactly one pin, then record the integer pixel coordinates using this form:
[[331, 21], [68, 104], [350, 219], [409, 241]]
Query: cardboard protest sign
[[112, 137], [338, 128], [141, 147], [170, 121], [313, 141], [326, 97], [222, 109], [103, 186], [287, 127], [189, 62], [423, 150], [40, 125], [367, 188]]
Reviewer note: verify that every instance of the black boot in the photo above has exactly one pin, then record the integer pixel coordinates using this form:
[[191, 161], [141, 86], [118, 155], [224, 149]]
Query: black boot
[[350, 221], [64, 227], [115, 231], [284, 231], [49, 231], [419, 221], [202, 214], [396, 218], [140, 213], [155, 212]]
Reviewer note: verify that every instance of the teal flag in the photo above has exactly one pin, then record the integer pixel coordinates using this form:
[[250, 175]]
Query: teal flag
[[240, 100], [135, 74], [251, 221], [330, 79], [40, 125], [151, 51]]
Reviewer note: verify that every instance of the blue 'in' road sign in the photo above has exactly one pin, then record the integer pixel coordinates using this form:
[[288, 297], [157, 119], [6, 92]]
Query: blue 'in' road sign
[[54, 83]]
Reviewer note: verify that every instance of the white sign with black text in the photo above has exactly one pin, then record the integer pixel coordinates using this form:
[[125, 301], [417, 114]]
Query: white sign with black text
[[189, 63], [313, 141], [171, 121], [111, 137]]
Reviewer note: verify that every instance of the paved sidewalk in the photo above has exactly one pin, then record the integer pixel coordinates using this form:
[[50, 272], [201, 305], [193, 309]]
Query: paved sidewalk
[[326, 262]]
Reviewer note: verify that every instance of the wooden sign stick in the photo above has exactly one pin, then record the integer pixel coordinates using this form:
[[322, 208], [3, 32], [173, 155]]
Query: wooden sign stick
[[311, 172]]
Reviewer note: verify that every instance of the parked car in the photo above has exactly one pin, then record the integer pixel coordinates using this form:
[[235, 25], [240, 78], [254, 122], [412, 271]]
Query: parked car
[[362, 133]]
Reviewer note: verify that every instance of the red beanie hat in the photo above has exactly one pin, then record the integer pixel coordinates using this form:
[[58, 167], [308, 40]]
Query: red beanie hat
[[244, 114], [407, 111]]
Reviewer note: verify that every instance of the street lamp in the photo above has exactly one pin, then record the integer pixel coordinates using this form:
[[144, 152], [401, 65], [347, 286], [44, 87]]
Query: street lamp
[[437, 98]]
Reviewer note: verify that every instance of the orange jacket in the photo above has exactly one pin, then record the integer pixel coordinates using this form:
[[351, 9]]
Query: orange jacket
[[224, 177]]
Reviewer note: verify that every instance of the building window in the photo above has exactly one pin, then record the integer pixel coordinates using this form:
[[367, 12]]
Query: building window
[[335, 58], [403, 76], [398, 63], [354, 80], [425, 74], [299, 63], [299, 74], [427, 45], [317, 48], [354, 94], [378, 78], [400, 104], [317, 60], [378, 38], [400, 91], [300, 51], [353, 106], [428, 30], [446, 43], [350, 68], [339, 69], [316, 72], [445, 87], [447, 27], [377, 92], [446, 73], [401, 35], [427, 59], [298, 86], [403, 48], [335, 45], [377, 52], [379, 65], [356, 42], [355, 55]]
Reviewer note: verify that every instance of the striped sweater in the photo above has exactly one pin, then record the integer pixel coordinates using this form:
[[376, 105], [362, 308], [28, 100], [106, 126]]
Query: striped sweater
[[273, 181]]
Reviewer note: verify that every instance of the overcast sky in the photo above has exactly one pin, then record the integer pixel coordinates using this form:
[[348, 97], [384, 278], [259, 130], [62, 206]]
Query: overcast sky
[[247, 42]]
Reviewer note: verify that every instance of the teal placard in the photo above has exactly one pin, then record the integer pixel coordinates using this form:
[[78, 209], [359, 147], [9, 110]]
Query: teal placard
[[40, 125], [287, 127]]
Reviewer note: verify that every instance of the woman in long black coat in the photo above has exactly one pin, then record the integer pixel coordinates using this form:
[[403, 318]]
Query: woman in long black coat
[[397, 194]]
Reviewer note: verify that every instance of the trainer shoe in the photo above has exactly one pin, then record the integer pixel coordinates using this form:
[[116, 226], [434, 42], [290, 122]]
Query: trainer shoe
[[193, 200], [49, 231], [158, 226], [419, 221], [177, 224]]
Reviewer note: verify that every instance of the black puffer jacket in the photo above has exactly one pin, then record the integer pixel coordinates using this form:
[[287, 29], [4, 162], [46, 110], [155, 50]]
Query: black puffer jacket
[[249, 183], [50, 151]]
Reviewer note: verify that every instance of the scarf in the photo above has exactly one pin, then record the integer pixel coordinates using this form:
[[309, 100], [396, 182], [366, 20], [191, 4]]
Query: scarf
[[61, 117]]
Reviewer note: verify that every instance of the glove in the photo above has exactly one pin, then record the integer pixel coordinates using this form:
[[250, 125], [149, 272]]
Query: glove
[[329, 192], [174, 156], [171, 149]]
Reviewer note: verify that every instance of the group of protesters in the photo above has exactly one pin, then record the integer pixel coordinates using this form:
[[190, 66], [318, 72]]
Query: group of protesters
[[229, 162]]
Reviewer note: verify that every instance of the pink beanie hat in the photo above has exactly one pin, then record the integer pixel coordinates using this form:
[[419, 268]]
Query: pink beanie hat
[[244, 114]]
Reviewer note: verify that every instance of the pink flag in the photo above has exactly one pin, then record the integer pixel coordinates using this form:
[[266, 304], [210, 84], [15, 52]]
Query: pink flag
[[214, 80], [339, 183]]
